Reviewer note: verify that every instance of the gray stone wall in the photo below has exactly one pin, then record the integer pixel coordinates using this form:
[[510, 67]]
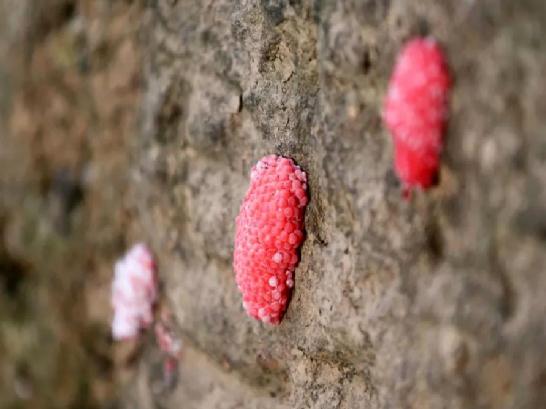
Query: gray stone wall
[[134, 121], [433, 303]]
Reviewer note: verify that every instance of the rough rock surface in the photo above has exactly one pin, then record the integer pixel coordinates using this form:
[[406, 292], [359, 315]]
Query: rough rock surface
[[438, 302]]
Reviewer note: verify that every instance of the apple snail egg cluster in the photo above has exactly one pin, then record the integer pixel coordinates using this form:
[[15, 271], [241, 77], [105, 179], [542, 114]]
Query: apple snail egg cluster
[[415, 111], [134, 292], [269, 232]]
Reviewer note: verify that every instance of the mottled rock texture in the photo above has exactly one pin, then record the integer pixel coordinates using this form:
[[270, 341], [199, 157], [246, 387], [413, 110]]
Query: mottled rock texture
[[435, 303], [69, 81], [439, 302]]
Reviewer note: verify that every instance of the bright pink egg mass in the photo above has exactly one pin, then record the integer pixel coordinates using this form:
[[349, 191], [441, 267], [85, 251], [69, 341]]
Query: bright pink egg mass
[[269, 232], [415, 111]]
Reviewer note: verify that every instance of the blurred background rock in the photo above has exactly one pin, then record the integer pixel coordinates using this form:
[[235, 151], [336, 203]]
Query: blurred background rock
[[69, 86]]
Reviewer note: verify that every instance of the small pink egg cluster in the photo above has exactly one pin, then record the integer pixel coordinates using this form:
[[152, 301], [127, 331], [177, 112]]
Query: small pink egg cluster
[[134, 292], [269, 231], [165, 336], [415, 111], [170, 344]]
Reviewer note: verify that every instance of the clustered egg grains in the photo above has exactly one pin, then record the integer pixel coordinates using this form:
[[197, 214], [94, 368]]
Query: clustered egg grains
[[415, 111], [134, 292], [269, 232], [165, 336]]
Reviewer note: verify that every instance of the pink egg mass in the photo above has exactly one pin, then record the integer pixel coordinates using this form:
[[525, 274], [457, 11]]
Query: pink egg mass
[[269, 232], [134, 292], [415, 111]]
